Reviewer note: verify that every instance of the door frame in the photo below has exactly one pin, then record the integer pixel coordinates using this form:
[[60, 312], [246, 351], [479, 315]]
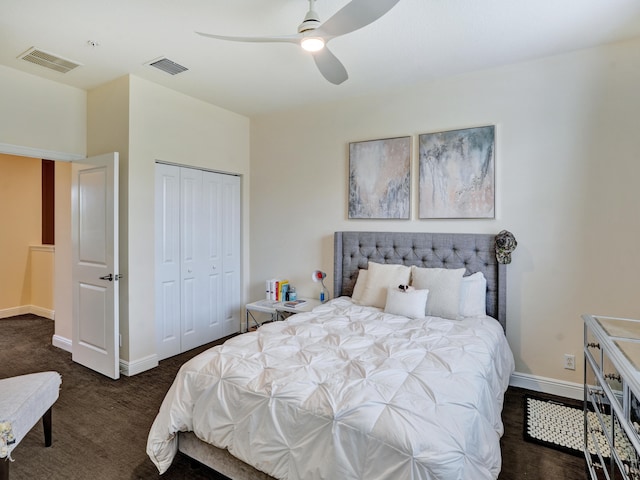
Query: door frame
[[60, 278]]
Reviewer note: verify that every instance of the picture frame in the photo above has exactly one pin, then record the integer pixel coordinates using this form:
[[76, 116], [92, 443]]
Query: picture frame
[[457, 173], [380, 179]]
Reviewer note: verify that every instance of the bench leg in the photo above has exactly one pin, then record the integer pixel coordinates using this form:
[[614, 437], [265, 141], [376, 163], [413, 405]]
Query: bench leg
[[4, 468], [46, 423]]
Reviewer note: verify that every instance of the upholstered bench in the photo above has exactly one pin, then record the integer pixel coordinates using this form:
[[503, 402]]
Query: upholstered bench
[[23, 401]]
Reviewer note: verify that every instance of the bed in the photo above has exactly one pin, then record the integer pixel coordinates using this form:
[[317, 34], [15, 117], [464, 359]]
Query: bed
[[351, 389]]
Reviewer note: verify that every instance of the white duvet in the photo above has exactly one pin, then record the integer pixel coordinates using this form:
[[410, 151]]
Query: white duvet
[[347, 392]]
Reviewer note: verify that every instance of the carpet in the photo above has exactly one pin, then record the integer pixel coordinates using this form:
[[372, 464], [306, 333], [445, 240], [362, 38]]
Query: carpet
[[100, 425], [561, 426]]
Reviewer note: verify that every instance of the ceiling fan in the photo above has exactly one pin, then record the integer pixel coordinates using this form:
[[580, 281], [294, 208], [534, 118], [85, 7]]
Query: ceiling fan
[[313, 35]]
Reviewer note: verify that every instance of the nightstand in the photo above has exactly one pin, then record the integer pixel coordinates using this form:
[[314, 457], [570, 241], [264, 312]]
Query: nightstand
[[277, 310]]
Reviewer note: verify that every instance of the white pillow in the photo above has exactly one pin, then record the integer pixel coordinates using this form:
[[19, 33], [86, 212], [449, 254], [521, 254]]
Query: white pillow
[[379, 278], [358, 288], [444, 289], [411, 303], [473, 296]]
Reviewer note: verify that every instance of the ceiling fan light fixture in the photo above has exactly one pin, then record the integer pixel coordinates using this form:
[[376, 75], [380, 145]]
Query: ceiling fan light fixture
[[312, 44]]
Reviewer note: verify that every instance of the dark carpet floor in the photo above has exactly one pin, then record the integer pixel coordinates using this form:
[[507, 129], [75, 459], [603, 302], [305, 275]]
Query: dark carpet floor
[[100, 425]]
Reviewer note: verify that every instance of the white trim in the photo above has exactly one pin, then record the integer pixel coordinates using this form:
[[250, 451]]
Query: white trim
[[42, 312], [547, 385], [28, 309], [38, 153], [42, 248], [62, 342], [13, 311], [138, 366]]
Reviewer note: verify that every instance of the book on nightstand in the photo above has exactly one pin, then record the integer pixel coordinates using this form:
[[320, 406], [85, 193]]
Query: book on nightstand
[[294, 303]]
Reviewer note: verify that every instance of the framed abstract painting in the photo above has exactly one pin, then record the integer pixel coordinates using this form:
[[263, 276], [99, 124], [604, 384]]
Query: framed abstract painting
[[457, 173], [380, 178]]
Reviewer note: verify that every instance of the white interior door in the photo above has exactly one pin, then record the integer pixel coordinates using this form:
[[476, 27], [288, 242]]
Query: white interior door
[[95, 264]]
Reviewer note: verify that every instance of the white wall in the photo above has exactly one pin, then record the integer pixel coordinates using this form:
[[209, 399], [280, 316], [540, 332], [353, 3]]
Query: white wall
[[568, 137], [168, 126], [41, 114], [63, 301]]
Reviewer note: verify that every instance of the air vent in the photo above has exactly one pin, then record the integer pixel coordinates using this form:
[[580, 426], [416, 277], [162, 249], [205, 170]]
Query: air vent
[[49, 60], [167, 66]]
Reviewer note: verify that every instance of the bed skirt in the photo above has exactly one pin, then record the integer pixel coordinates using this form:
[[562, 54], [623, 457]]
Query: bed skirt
[[218, 459]]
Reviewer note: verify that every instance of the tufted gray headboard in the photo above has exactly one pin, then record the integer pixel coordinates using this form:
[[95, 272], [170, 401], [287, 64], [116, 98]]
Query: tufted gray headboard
[[475, 252]]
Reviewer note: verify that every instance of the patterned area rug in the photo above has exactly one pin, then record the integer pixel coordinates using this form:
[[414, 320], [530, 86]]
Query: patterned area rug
[[560, 426], [554, 425]]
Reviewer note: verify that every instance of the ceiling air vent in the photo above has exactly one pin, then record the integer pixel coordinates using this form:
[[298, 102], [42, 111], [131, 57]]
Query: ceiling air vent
[[48, 60], [166, 65]]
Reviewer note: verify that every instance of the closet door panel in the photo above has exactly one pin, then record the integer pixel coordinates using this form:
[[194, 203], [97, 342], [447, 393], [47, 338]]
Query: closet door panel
[[212, 223], [167, 276], [231, 253], [191, 272]]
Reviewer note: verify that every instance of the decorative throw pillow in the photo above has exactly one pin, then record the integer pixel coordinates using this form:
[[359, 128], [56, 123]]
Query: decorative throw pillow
[[411, 303], [358, 288], [379, 278], [444, 289], [473, 296]]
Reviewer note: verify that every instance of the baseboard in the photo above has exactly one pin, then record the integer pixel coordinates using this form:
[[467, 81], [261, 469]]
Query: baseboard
[[126, 368], [547, 385], [138, 366], [63, 343], [12, 312], [27, 309], [42, 312]]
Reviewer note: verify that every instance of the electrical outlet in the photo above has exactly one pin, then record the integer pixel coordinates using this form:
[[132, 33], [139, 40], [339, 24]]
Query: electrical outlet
[[569, 361]]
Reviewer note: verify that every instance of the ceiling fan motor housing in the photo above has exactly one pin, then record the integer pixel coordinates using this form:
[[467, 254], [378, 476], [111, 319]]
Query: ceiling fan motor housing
[[311, 19], [311, 22]]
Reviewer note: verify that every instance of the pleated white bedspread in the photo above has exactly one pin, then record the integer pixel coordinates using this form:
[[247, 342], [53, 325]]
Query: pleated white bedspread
[[347, 392]]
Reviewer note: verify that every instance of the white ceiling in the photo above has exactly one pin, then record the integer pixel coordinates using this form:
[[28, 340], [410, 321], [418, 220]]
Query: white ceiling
[[418, 40]]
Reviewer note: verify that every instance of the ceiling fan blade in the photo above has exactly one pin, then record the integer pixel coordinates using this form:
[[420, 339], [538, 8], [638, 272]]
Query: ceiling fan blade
[[355, 15], [280, 38], [330, 67]]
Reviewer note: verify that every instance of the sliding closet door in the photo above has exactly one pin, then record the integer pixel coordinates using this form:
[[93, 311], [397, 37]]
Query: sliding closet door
[[167, 276], [231, 254]]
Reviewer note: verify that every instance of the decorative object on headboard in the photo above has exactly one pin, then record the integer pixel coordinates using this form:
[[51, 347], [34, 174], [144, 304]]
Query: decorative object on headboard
[[319, 276], [505, 244]]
